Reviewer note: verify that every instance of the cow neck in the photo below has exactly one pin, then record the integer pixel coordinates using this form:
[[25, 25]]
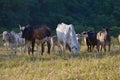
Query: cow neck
[[73, 38], [11, 38]]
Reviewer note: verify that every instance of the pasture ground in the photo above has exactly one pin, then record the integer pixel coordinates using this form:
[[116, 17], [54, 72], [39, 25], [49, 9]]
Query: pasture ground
[[84, 66]]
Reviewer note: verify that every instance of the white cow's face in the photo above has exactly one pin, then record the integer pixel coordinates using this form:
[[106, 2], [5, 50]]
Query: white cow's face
[[84, 34], [5, 36], [75, 49]]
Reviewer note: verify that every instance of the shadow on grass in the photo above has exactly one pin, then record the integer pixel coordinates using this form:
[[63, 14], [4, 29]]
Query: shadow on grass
[[94, 54], [6, 56]]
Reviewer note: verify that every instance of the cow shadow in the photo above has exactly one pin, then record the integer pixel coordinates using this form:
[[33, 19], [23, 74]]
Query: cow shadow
[[6, 56], [94, 54]]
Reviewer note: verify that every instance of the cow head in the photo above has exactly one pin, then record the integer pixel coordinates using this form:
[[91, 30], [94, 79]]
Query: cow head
[[21, 28], [27, 33], [5, 36], [84, 34], [75, 49], [24, 33]]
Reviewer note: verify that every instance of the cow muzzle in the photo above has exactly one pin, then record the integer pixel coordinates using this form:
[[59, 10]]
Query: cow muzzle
[[3, 40]]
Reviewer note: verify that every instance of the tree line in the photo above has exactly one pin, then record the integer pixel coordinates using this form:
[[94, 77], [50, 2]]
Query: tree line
[[83, 14]]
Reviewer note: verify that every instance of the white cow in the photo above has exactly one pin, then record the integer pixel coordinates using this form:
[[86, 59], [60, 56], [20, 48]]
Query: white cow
[[14, 40], [66, 34]]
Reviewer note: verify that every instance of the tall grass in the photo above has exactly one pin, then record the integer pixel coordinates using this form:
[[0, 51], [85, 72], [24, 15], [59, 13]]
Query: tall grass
[[84, 66]]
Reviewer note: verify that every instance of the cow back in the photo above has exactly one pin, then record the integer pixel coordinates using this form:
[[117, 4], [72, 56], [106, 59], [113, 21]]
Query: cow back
[[42, 32]]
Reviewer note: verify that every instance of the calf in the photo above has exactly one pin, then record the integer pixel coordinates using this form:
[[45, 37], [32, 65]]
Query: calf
[[13, 40], [55, 42]]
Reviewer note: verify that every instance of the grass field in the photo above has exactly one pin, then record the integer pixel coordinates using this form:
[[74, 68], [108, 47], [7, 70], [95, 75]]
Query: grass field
[[84, 66]]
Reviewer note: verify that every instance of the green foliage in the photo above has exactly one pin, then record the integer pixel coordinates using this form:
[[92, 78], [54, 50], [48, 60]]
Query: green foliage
[[94, 14], [2, 29], [16, 30], [115, 30]]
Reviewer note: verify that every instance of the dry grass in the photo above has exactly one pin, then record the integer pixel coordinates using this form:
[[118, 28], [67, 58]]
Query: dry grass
[[85, 66]]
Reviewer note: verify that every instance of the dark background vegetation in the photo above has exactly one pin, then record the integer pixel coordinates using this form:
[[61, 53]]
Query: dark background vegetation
[[83, 14]]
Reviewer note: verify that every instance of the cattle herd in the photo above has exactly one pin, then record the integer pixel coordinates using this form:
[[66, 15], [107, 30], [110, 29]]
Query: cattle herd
[[65, 38]]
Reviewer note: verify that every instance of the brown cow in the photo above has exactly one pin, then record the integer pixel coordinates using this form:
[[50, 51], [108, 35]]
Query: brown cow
[[39, 32], [104, 39]]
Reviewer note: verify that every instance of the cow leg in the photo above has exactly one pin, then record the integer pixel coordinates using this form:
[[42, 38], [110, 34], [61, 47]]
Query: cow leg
[[52, 47], [60, 46], [119, 44], [98, 45], [92, 47], [52, 44], [26, 46], [104, 48], [98, 48], [24, 49], [109, 47], [49, 46], [88, 48], [29, 49], [42, 48], [101, 46], [15, 49], [64, 47], [21, 49], [11, 50], [33, 44]]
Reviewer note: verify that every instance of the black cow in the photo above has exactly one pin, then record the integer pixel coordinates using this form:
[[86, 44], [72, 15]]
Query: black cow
[[91, 39]]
